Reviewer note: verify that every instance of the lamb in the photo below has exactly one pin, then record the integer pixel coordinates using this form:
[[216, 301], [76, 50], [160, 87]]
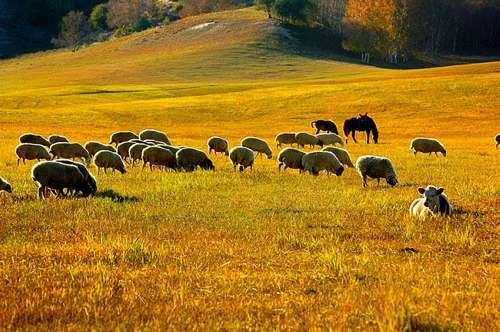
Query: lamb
[[28, 151], [123, 149], [325, 125], [5, 186], [257, 145], [433, 202], [122, 136], [86, 174], [53, 175], [69, 151], [427, 145], [135, 152], [154, 135], [290, 158], [304, 139], [330, 139], [376, 168], [93, 147], [317, 161], [341, 154], [218, 144], [189, 159], [497, 140], [158, 156], [242, 156], [108, 159], [57, 139], [285, 138], [34, 139]]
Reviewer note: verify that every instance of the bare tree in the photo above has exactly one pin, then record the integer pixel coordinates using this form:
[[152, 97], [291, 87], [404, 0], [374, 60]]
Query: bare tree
[[74, 31]]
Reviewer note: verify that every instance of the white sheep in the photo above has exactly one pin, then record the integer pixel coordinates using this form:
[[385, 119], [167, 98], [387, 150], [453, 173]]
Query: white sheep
[[434, 202], [154, 135], [304, 139], [57, 139], [34, 139], [135, 152], [93, 147], [189, 159], [257, 145], [317, 161], [285, 138], [158, 156], [330, 139], [341, 154], [122, 136], [242, 156], [218, 144], [108, 159], [290, 158], [5, 186], [376, 168], [497, 140], [427, 145], [28, 151], [69, 151]]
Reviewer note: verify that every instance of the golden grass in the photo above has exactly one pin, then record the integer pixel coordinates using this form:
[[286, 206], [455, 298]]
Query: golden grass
[[258, 250]]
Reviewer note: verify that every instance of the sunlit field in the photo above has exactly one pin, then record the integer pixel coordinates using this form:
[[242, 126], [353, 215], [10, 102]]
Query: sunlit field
[[255, 250]]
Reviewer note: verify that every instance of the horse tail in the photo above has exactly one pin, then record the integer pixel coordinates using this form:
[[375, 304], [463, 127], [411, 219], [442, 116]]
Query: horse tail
[[313, 123]]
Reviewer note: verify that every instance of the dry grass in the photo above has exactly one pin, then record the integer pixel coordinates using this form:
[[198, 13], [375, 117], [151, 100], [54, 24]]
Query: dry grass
[[259, 250]]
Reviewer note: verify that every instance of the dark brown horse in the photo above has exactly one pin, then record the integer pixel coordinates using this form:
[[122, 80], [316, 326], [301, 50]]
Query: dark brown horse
[[325, 125], [361, 123]]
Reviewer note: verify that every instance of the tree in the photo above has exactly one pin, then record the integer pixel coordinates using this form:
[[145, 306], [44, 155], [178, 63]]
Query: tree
[[128, 13], [268, 5], [293, 10], [74, 31], [99, 16]]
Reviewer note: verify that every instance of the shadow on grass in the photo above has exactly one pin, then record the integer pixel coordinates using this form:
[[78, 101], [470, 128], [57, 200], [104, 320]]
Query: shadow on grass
[[116, 197]]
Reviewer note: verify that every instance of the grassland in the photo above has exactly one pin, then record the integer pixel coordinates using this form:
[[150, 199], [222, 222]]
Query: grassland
[[259, 250]]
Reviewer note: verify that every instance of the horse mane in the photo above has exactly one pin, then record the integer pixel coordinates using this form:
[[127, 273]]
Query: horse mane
[[373, 126]]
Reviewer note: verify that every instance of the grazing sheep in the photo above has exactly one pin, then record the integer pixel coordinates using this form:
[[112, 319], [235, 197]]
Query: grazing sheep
[[242, 156], [189, 159], [57, 139], [108, 159], [218, 144], [376, 168], [28, 151], [83, 169], [497, 140], [325, 125], [5, 186], [123, 149], [427, 145], [135, 152], [317, 161], [433, 202], [290, 158], [69, 151], [257, 145], [341, 154], [158, 156], [154, 135], [34, 139], [171, 148], [122, 136], [57, 176], [94, 147], [285, 138], [330, 139], [304, 139]]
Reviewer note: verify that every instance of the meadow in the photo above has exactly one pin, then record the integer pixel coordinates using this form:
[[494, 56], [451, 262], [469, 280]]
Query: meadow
[[258, 250]]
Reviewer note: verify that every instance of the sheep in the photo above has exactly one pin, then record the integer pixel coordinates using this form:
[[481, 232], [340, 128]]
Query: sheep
[[108, 159], [257, 145], [189, 159], [427, 145], [34, 139], [135, 152], [171, 148], [57, 139], [158, 156], [154, 135], [5, 186], [330, 139], [285, 138], [69, 151], [53, 175], [290, 158], [433, 202], [341, 154], [218, 144], [28, 151], [122, 136], [93, 147], [497, 140], [123, 149], [85, 172], [376, 168], [242, 156], [304, 139], [317, 161]]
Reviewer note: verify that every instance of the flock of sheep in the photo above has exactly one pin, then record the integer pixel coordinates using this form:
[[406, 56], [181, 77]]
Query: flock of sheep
[[62, 176]]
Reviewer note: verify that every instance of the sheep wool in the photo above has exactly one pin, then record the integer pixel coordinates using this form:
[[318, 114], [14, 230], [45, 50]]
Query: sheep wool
[[34, 139], [257, 145], [5, 186], [29, 151], [94, 147], [108, 159], [242, 156], [304, 139], [330, 139], [189, 159], [285, 138], [341, 154], [427, 145], [153, 134], [158, 156], [69, 151], [317, 161], [57, 139], [122, 136], [290, 158], [376, 168], [218, 144]]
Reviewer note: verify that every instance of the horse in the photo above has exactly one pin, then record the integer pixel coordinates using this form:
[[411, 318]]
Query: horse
[[361, 123], [325, 125]]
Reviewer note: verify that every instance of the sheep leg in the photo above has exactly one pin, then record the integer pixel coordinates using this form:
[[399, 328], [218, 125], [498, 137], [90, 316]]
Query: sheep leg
[[105, 170], [18, 160], [41, 190], [436, 154], [98, 170], [143, 165], [151, 167], [364, 181], [24, 161], [378, 182]]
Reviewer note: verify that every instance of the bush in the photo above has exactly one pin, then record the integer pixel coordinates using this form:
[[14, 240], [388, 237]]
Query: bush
[[99, 16], [123, 31], [74, 31], [142, 24], [293, 10]]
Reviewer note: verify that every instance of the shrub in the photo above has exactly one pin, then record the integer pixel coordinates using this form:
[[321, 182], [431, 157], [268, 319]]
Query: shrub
[[123, 31], [142, 24], [98, 17], [74, 31]]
